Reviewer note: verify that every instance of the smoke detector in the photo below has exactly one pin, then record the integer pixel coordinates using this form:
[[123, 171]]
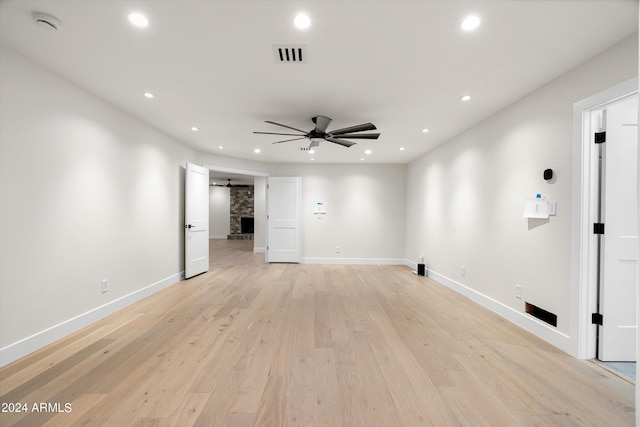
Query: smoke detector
[[46, 21]]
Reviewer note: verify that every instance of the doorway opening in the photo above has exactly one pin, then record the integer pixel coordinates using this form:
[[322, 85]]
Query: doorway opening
[[237, 210]]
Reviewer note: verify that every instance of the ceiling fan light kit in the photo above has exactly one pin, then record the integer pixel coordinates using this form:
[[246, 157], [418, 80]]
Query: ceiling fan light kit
[[228, 184], [46, 21], [319, 133]]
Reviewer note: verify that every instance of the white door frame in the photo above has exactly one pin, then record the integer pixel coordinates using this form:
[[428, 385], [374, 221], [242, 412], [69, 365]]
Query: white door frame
[[584, 199]]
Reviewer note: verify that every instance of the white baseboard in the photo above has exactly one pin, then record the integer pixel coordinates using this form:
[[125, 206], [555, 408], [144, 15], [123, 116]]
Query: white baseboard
[[259, 249], [361, 261], [30, 344], [523, 320]]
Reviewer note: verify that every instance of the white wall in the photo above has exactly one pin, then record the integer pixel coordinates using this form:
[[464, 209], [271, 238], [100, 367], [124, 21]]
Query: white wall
[[465, 199], [87, 193], [219, 212], [365, 207]]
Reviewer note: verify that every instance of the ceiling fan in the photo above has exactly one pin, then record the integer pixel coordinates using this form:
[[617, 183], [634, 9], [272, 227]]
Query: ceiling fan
[[228, 184], [320, 133]]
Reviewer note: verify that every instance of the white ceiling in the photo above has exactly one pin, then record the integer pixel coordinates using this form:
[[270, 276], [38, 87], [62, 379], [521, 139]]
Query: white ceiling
[[400, 64]]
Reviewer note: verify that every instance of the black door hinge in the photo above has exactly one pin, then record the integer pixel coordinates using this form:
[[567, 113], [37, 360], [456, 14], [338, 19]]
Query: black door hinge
[[596, 319], [598, 228], [600, 137]]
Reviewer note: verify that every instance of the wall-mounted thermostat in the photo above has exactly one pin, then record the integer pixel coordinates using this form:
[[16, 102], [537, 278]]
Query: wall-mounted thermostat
[[319, 209]]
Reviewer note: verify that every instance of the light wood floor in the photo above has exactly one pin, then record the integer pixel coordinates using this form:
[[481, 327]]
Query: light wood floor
[[250, 344]]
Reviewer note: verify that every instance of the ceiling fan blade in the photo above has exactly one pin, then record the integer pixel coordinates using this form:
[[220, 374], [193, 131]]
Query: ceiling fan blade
[[275, 133], [359, 135], [287, 140], [356, 128], [340, 141], [285, 126], [321, 122]]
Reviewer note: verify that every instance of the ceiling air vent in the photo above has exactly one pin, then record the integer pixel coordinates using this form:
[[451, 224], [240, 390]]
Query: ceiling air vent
[[290, 53]]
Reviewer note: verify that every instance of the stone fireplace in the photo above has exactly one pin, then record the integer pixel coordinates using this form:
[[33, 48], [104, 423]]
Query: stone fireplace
[[241, 212]]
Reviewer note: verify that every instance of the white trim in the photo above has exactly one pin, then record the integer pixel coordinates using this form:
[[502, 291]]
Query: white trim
[[235, 170], [526, 322], [259, 249], [353, 261], [583, 281], [35, 342]]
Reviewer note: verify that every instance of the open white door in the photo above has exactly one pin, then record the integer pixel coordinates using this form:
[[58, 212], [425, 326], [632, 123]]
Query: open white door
[[283, 219], [196, 217], [619, 259]]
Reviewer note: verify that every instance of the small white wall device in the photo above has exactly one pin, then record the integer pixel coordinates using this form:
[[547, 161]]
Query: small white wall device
[[539, 206], [319, 209]]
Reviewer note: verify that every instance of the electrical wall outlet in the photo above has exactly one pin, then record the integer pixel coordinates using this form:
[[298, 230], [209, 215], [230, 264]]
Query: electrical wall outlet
[[463, 270], [518, 291], [337, 249], [105, 286]]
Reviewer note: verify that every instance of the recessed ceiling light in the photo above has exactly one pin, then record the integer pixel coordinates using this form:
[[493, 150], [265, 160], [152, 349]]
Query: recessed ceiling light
[[195, 129], [362, 158], [470, 23], [312, 158], [148, 95], [401, 148], [257, 151], [138, 20], [425, 130], [312, 152], [367, 151], [465, 98], [220, 147], [302, 21]]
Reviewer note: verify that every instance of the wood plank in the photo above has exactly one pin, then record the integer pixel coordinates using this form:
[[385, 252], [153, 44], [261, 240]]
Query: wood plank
[[298, 395], [79, 407], [305, 339], [322, 322], [188, 410], [327, 411], [218, 407], [240, 419], [271, 411]]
